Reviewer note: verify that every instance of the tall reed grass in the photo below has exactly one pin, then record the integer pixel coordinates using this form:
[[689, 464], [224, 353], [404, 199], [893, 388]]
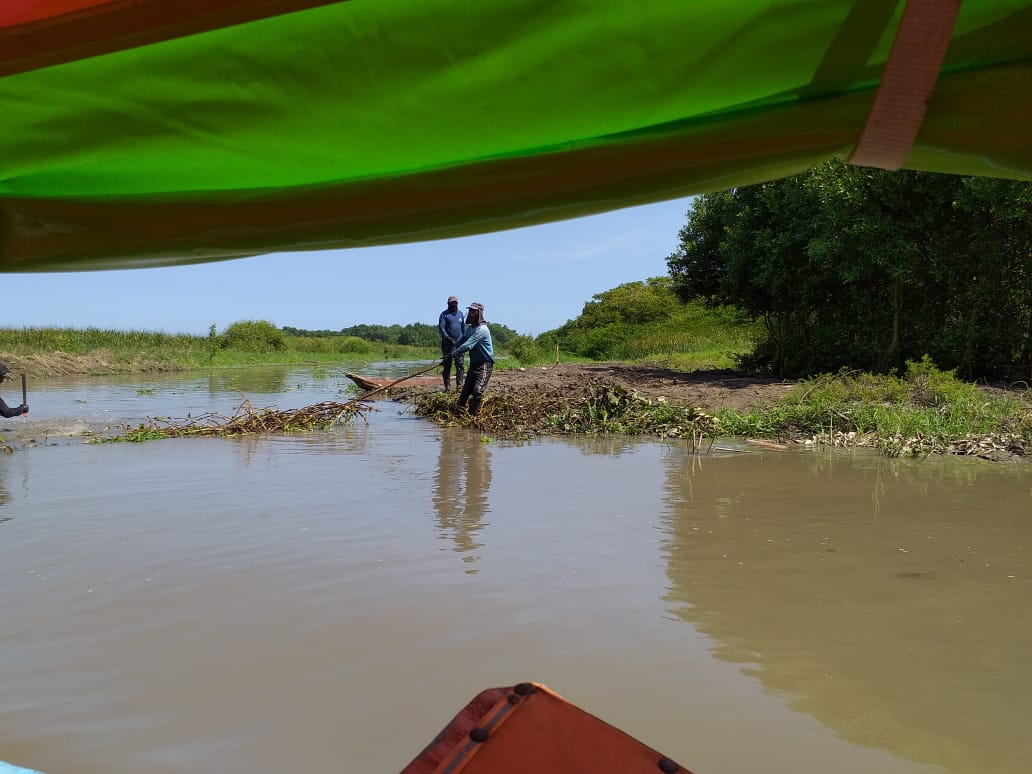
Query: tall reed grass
[[122, 350], [28, 341]]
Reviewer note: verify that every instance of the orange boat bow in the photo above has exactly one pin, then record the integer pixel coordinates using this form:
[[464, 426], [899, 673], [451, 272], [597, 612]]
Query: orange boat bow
[[528, 728], [377, 382]]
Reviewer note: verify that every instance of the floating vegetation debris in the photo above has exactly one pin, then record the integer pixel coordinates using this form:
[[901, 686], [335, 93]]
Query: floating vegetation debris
[[247, 421], [993, 446]]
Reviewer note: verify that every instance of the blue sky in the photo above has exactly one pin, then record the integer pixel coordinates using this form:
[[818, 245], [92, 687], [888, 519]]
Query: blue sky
[[531, 279]]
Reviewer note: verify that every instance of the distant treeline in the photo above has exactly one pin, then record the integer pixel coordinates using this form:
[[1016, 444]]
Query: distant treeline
[[413, 334]]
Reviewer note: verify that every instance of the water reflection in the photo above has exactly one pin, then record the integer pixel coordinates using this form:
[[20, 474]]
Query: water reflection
[[461, 492], [250, 380], [346, 440], [5, 496], [889, 599], [608, 445]]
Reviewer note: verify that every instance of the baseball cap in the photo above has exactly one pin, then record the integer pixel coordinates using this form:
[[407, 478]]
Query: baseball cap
[[453, 298], [479, 309]]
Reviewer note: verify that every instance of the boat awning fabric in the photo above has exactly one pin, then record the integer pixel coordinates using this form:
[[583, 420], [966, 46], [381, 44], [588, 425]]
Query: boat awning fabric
[[146, 132]]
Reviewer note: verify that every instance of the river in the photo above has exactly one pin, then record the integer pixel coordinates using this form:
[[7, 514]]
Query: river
[[327, 601]]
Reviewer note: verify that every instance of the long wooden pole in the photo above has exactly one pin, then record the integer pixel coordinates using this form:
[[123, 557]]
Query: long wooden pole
[[398, 381], [24, 397]]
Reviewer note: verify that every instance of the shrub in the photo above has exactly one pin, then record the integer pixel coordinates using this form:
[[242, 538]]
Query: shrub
[[320, 346], [352, 345], [524, 349], [254, 336]]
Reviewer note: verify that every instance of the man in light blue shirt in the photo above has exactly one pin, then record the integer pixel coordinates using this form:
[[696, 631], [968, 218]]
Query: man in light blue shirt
[[477, 341]]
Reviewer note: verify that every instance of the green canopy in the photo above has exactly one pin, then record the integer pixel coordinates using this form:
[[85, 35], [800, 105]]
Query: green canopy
[[148, 132]]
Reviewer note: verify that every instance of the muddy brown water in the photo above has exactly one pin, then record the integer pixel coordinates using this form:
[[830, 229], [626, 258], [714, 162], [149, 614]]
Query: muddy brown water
[[327, 601]]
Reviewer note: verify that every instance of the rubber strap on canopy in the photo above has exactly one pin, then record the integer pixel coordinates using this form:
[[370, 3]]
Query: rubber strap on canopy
[[906, 86]]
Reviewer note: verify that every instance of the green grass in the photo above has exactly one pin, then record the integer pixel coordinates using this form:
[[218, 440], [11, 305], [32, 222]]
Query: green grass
[[28, 341], [692, 338], [693, 342], [924, 411]]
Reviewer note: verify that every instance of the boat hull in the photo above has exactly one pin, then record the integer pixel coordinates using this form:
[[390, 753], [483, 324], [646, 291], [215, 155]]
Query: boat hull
[[529, 728], [377, 383]]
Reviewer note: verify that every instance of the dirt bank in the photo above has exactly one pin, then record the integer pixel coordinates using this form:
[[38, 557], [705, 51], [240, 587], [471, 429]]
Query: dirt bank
[[54, 364], [706, 390]]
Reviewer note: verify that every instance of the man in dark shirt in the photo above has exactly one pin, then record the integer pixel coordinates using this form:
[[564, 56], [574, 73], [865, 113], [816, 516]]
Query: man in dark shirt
[[5, 410], [451, 327]]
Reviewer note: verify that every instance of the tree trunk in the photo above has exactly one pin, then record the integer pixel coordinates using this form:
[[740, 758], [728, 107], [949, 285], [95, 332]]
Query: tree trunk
[[964, 365], [892, 351]]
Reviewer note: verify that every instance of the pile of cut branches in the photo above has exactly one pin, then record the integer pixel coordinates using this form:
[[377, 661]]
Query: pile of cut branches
[[248, 421], [598, 408], [502, 416]]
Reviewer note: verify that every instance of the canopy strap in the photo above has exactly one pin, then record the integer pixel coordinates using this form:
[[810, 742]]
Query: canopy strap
[[907, 82]]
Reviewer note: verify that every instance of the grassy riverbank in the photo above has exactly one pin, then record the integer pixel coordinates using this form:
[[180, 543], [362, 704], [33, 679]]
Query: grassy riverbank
[[45, 352], [925, 411]]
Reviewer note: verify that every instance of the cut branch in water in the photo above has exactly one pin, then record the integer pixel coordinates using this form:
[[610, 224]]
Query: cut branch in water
[[248, 421]]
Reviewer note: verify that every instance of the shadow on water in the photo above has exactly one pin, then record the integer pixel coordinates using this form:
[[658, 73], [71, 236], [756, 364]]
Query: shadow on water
[[888, 599]]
